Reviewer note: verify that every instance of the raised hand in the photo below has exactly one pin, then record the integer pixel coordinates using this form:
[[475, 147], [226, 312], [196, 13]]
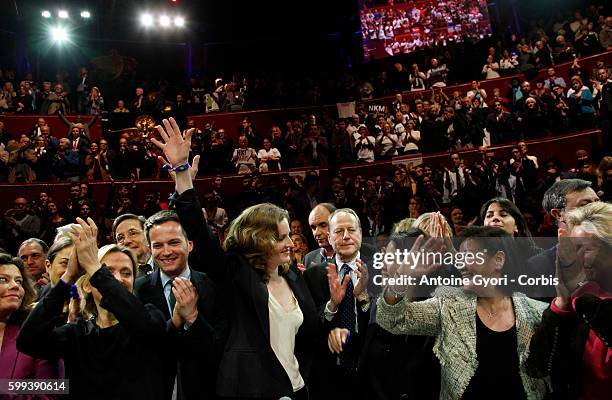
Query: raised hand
[[85, 238], [568, 269], [72, 270], [362, 278], [418, 266], [337, 291], [186, 307], [175, 147]]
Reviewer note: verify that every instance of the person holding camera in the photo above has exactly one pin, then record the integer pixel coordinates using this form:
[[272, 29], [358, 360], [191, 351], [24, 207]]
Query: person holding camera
[[489, 70]]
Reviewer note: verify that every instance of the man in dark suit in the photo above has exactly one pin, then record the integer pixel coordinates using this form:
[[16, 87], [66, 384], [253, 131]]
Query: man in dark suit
[[188, 300], [342, 292], [318, 220]]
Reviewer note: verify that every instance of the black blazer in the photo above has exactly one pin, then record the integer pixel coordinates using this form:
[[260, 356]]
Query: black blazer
[[118, 362], [196, 349], [249, 368]]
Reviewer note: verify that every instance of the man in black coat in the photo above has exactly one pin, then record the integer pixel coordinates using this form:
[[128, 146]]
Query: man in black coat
[[188, 300], [342, 292]]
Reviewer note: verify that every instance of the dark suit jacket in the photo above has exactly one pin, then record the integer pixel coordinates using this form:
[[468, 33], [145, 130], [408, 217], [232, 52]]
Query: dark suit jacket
[[313, 258], [326, 362], [196, 349], [249, 367]]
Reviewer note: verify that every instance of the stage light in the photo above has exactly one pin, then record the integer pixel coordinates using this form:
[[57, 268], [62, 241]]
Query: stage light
[[179, 21], [85, 14], [59, 34], [164, 21], [146, 20], [63, 14], [46, 14]]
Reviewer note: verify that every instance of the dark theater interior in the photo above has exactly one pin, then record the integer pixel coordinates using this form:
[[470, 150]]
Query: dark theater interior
[[351, 199]]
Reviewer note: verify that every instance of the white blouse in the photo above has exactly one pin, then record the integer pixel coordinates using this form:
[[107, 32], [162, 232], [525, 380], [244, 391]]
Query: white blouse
[[284, 326]]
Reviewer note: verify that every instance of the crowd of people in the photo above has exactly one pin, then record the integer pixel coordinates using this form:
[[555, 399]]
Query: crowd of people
[[524, 110], [250, 303], [406, 28], [560, 39], [274, 289]]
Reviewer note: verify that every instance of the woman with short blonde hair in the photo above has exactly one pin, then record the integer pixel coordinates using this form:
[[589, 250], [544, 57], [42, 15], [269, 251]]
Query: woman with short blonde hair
[[595, 218], [109, 353], [254, 233], [572, 344]]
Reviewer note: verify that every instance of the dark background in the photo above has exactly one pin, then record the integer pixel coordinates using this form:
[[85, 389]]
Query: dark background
[[221, 36]]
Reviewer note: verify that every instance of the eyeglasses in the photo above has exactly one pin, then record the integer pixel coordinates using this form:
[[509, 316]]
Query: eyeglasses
[[131, 234]]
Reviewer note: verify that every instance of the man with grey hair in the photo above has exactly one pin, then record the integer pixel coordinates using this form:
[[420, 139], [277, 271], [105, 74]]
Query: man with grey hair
[[566, 195], [563, 196], [341, 292]]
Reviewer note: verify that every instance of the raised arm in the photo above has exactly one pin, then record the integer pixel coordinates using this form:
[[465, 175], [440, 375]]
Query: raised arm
[[396, 313], [40, 336], [65, 120], [91, 122], [209, 254], [130, 312]]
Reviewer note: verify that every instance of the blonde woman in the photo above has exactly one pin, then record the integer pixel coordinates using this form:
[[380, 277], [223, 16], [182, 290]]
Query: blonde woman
[[111, 352], [272, 316], [573, 341]]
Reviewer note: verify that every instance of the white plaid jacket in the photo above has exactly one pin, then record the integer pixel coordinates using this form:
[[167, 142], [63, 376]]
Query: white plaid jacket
[[450, 316]]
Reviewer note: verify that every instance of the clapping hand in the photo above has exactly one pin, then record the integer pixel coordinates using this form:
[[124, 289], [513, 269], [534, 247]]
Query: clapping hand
[[73, 271], [85, 238], [337, 290], [362, 279], [568, 269], [186, 307]]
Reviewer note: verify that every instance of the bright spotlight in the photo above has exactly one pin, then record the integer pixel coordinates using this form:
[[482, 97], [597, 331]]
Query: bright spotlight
[[146, 20], [59, 34], [179, 21], [46, 14], [164, 21], [63, 14], [85, 14]]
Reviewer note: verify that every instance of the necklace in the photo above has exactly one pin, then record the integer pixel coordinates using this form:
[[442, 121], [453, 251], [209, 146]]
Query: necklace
[[491, 314]]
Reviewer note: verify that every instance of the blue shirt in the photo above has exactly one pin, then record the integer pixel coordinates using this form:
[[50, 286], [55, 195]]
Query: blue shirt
[[165, 279]]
